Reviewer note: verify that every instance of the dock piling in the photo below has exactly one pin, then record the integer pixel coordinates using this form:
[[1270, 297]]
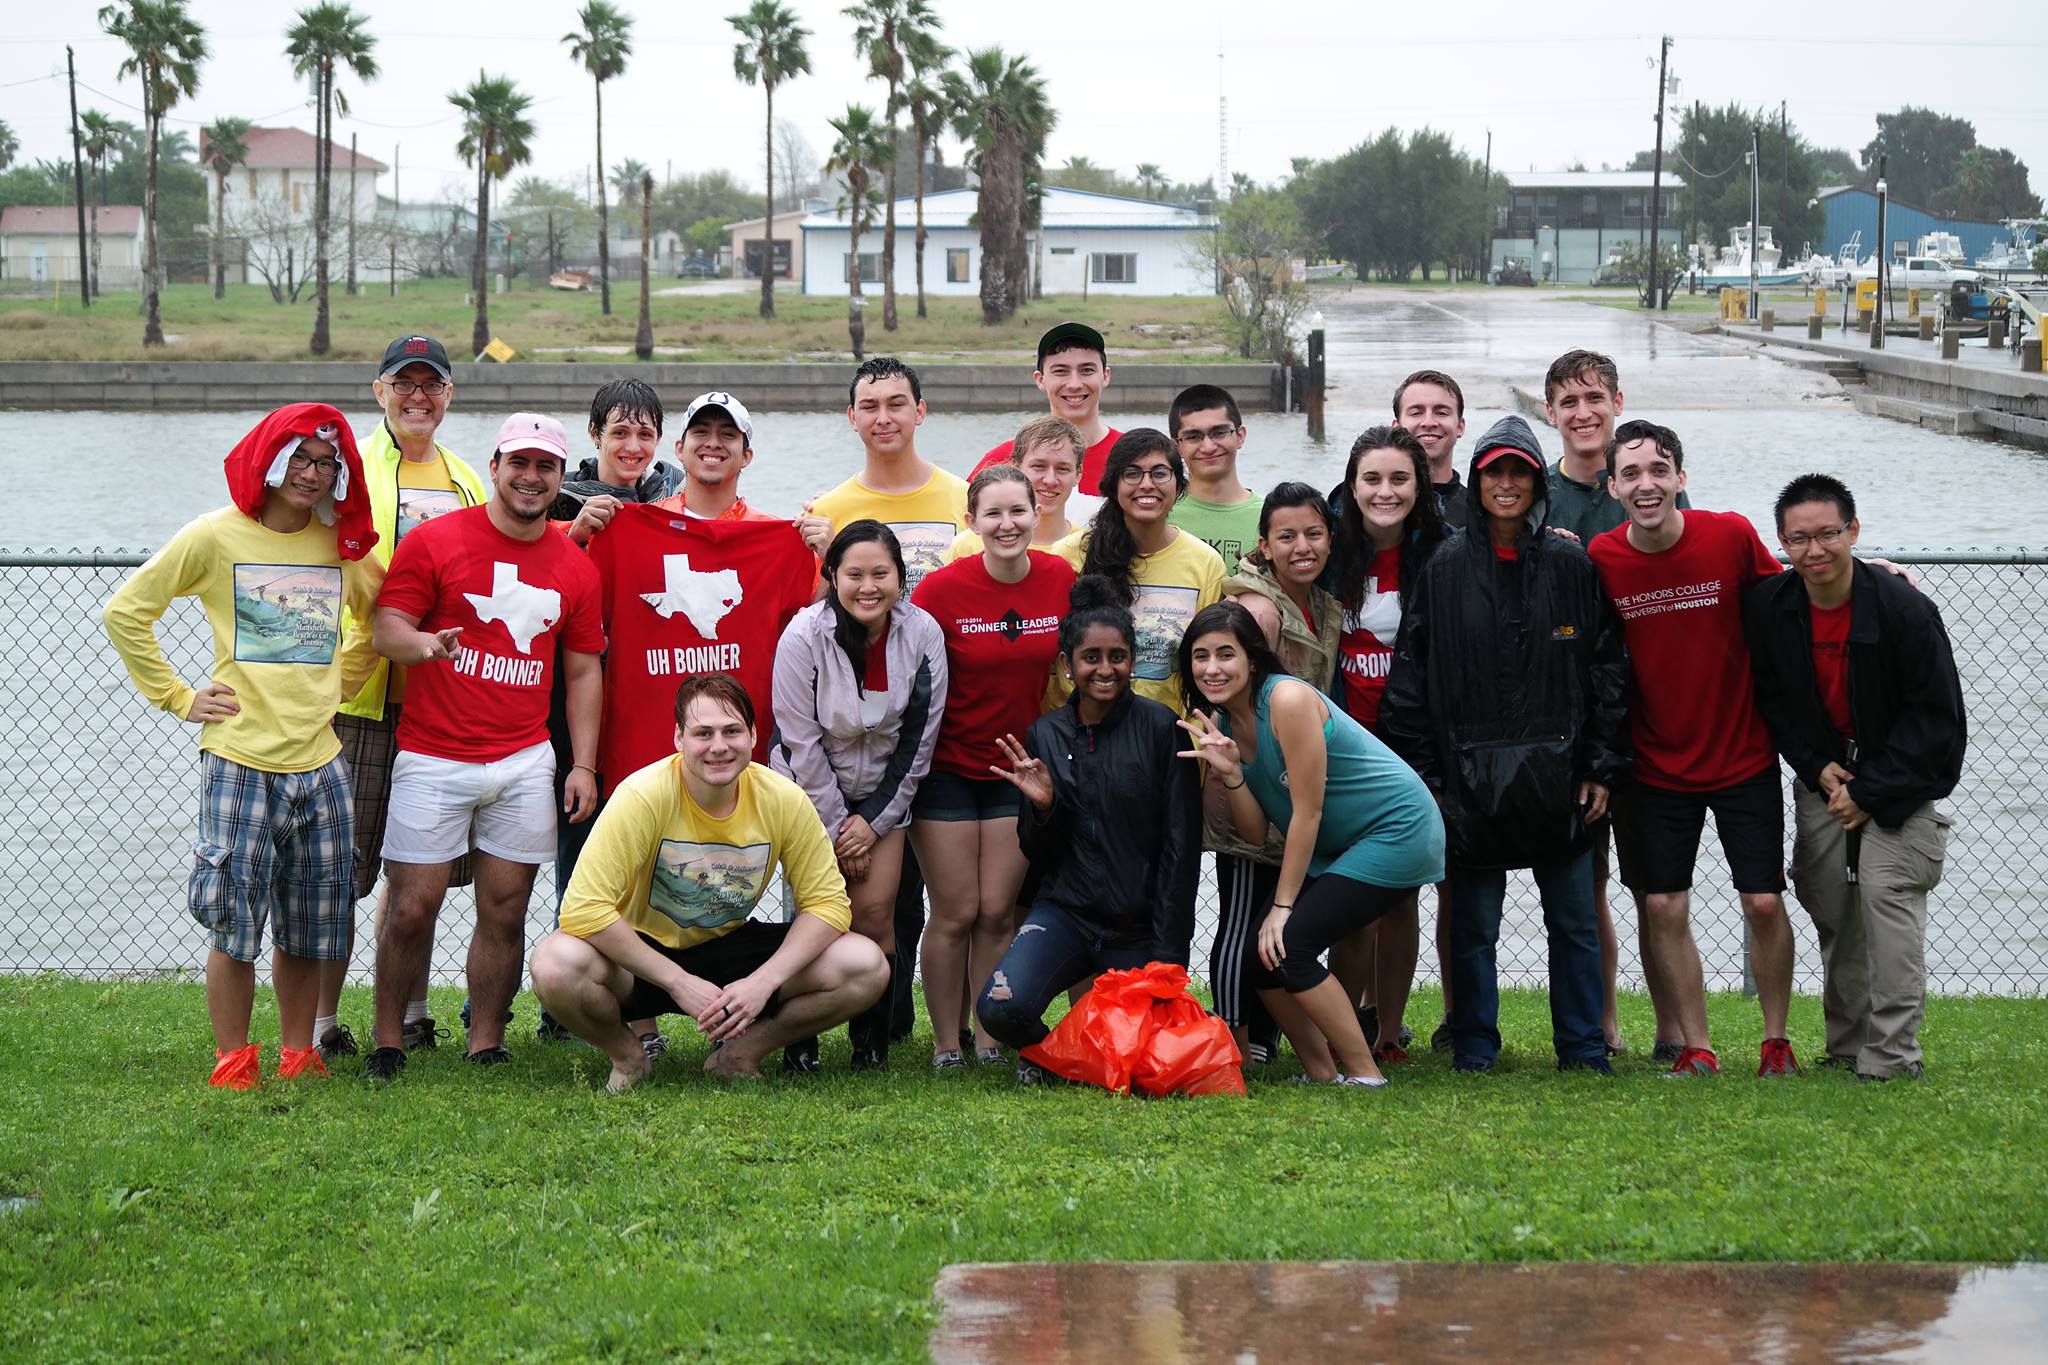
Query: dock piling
[[2030, 356]]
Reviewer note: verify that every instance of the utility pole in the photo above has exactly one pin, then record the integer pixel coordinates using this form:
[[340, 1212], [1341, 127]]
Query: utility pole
[[397, 199], [1486, 235], [1657, 178], [1692, 232], [78, 178], [1756, 210], [1785, 175], [351, 215]]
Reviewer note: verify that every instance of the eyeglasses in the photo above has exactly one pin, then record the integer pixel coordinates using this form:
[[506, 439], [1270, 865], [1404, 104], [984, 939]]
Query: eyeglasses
[[1215, 434], [406, 388], [1157, 473], [1827, 535], [297, 463]]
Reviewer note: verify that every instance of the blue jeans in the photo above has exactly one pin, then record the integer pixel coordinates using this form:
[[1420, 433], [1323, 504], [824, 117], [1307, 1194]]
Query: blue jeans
[[1051, 952], [1566, 887]]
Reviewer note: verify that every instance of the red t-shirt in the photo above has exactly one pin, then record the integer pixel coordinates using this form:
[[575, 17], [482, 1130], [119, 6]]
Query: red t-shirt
[[683, 595], [1831, 665], [1365, 651], [517, 601], [1692, 704], [875, 676], [1001, 639], [1091, 470]]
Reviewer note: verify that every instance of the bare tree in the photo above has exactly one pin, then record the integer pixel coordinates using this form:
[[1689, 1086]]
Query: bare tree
[[796, 164]]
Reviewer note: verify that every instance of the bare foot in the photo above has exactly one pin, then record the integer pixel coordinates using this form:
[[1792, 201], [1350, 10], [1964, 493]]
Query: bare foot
[[729, 1061], [627, 1075]]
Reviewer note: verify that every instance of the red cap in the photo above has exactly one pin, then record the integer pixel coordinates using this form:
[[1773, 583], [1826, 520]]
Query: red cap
[[1487, 457]]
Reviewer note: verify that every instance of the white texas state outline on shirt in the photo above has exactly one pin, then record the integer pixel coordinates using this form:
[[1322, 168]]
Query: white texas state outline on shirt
[[525, 611], [705, 597]]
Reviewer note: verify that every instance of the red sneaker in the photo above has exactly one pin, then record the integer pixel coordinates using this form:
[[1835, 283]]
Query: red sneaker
[[241, 1069], [293, 1062], [1695, 1061], [1778, 1059]]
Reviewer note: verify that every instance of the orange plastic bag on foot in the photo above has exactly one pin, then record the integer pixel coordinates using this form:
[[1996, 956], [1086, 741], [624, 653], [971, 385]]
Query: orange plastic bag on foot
[[1141, 1027], [240, 1069]]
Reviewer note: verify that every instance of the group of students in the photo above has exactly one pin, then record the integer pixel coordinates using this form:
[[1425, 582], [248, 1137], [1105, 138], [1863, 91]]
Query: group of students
[[1035, 697]]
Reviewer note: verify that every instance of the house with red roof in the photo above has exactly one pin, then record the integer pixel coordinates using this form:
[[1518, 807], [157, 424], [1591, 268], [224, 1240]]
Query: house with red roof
[[39, 244], [271, 195]]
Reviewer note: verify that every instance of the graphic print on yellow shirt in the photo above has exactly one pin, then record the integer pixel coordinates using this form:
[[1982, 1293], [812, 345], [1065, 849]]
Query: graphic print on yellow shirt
[[286, 613], [708, 885], [925, 519]]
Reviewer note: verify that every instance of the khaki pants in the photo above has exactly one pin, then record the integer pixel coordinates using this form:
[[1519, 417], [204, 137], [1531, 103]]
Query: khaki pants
[[1873, 934]]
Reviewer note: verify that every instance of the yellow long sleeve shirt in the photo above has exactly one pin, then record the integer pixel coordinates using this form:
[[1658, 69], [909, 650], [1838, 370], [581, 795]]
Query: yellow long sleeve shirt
[[275, 601], [682, 876]]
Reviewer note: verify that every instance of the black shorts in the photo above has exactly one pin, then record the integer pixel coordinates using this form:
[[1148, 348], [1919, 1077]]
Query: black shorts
[[949, 796], [1657, 833], [721, 961]]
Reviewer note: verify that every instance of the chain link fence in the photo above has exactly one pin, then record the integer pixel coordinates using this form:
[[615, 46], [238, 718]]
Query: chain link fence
[[101, 790]]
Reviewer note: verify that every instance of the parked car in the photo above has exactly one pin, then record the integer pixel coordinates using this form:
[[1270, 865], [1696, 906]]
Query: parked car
[[696, 266]]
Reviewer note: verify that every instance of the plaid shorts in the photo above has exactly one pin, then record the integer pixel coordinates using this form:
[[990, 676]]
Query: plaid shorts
[[274, 840], [371, 746]]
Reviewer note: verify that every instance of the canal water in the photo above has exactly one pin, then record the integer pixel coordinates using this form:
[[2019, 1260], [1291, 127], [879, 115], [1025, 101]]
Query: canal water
[[107, 480]]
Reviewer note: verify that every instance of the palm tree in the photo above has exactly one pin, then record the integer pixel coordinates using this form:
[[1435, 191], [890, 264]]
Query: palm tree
[[1149, 178], [863, 147], [626, 179], [1000, 111], [326, 37], [885, 31], [770, 51], [102, 134], [223, 149], [602, 46], [10, 145], [643, 339], [924, 99], [495, 131], [165, 48]]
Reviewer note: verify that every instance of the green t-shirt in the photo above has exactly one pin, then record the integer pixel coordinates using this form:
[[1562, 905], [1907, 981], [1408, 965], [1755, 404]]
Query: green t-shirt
[[1230, 529], [1586, 509]]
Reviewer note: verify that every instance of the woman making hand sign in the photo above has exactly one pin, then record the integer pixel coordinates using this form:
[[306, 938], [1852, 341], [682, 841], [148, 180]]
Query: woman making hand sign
[[1110, 822], [1362, 831]]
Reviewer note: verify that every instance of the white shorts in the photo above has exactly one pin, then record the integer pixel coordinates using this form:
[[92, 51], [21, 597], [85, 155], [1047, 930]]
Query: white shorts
[[440, 808]]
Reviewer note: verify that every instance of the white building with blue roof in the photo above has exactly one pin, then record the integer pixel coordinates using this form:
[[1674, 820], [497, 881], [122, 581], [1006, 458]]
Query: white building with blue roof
[[1087, 244]]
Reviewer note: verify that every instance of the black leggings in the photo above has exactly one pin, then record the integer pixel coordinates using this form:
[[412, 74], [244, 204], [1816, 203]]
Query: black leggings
[[1327, 908]]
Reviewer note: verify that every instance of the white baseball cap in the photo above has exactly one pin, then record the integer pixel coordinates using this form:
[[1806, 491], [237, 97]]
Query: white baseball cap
[[732, 407]]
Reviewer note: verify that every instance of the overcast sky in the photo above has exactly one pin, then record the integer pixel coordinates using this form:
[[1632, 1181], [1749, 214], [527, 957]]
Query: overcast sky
[[1133, 80]]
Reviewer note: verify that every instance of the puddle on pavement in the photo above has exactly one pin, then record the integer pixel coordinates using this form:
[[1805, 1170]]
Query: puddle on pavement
[[1152, 1313]]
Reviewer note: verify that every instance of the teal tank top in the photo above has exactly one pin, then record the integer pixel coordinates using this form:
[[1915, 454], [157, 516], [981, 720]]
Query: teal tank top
[[1380, 824]]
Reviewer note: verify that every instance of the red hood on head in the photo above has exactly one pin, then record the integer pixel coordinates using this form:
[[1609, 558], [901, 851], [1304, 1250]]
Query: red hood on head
[[250, 463]]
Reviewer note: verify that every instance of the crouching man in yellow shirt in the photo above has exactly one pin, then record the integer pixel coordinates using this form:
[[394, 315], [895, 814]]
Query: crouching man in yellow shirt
[[655, 920]]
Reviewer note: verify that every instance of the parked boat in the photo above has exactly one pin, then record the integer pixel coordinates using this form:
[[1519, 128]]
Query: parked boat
[[1732, 269], [569, 279], [2013, 254]]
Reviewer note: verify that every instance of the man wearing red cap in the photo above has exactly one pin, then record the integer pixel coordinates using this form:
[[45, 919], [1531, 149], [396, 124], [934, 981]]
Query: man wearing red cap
[[274, 572], [480, 603], [1507, 694]]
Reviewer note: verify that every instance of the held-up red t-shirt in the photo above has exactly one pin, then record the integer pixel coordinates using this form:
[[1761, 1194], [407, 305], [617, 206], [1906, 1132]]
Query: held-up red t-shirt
[[684, 595], [1091, 476], [1001, 639], [1692, 704], [517, 601], [1365, 651], [1831, 665]]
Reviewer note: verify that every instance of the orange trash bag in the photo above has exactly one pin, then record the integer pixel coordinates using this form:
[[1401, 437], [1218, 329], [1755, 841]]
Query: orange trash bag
[[1141, 1029]]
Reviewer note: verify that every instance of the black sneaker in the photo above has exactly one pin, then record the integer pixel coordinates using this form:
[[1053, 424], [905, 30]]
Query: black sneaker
[[336, 1042], [1405, 1038], [383, 1064], [871, 1059], [1030, 1073], [949, 1061], [801, 1058], [1664, 1054], [421, 1033], [552, 1030], [1599, 1064], [488, 1056], [655, 1045], [1441, 1040], [1912, 1072]]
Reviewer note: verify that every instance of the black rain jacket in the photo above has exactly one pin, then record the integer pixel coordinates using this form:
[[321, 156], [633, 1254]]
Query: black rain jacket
[[1119, 849], [660, 481], [1905, 700], [1509, 683]]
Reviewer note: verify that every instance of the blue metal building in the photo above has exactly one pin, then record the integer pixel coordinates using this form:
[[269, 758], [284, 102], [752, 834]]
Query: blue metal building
[[1850, 210]]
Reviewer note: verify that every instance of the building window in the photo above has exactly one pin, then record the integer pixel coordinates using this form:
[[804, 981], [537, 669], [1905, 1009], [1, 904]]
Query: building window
[[1112, 267], [957, 265], [870, 266], [296, 187], [752, 251]]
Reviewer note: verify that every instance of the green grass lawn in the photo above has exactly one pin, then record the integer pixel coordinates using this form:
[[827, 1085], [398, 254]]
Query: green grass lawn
[[544, 324], [522, 1213]]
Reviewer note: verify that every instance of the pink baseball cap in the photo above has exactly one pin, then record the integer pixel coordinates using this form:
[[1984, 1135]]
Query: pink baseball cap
[[533, 431]]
